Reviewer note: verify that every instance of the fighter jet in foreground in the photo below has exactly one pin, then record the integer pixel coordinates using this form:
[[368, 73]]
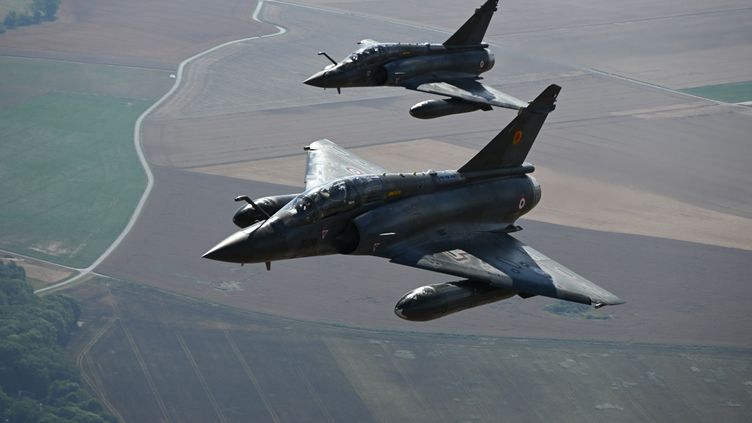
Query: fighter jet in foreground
[[453, 222], [451, 69]]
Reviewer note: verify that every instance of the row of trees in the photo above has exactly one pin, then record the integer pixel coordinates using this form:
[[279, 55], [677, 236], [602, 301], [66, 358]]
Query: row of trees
[[37, 381], [37, 12]]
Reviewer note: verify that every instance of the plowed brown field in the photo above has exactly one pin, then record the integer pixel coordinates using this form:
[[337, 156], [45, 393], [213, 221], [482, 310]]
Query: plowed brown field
[[134, 33]]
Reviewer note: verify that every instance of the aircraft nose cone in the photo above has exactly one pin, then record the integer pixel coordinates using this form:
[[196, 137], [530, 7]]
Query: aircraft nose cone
[[232, 249], [254, 244], [318, 79]]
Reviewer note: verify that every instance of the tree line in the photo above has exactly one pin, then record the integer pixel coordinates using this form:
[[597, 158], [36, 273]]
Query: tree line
[[37, 12], [38, 383]]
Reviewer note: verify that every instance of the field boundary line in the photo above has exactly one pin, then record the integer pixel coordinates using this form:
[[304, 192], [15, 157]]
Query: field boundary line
[[139, 151], [312, 392], [145, 370], [51, 263], [201, 379], [90, 379], [6, 55], [251, 376], [141, 362]]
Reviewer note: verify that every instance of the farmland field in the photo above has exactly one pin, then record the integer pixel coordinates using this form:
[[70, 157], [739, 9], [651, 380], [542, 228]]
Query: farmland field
[[38, 273], [158, 356], [74, 177], [146, 33], [735, 92], [24, 79], [316, 339]]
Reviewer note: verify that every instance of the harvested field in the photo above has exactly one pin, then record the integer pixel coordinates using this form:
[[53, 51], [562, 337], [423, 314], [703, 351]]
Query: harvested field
[[39, 274], [144, 33], [158, 357]]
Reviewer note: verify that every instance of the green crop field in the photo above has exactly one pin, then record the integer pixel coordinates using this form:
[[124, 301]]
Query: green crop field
[[735, 92], [24, 79], [71, 177]]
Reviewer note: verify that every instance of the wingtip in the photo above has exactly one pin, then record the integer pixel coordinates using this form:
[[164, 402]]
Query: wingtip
[[610, 301], [490, 4], [546, 100], [323, 142]]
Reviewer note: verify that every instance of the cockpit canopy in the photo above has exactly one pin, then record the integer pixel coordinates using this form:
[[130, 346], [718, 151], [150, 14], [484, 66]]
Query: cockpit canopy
[[364, 54], [332, 198]]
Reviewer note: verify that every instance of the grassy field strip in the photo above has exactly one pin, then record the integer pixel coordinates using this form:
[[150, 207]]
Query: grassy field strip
[[736, 92], [384, 391], [655, 86], [399, 361]]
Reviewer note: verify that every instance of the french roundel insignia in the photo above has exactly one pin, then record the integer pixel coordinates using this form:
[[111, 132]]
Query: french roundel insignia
[[517, 137]]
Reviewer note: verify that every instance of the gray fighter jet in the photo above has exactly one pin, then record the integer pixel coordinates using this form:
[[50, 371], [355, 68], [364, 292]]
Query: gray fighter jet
[[450, 69], [453, 222]]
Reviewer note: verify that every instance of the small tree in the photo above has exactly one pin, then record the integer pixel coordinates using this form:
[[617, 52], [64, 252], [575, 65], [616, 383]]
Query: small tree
[[11, 20], [24, 19], [49, 8], [36, 17], [36, 12]]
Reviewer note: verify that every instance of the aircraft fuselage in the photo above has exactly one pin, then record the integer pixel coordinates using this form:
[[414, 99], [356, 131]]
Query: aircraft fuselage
[[365, 214], [394, 64]]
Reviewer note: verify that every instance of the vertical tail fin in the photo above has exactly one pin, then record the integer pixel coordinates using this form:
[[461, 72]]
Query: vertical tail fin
[[472, 31], [510, 147]]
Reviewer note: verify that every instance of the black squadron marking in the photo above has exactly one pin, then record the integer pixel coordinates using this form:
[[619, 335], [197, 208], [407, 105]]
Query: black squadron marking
[[452, 222]]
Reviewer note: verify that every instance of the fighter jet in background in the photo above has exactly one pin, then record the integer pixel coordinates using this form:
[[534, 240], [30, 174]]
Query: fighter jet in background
[[453, 222], [450, 69]]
